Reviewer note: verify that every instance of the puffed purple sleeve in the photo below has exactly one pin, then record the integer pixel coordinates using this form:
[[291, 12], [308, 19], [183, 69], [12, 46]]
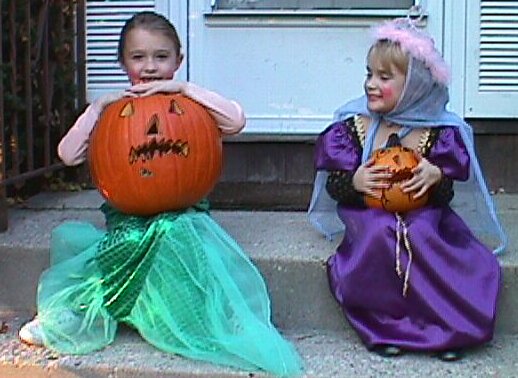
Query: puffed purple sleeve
[[449, 153], [337, 149]]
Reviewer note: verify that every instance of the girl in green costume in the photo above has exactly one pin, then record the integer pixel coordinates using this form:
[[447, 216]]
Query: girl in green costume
[[177, 277]]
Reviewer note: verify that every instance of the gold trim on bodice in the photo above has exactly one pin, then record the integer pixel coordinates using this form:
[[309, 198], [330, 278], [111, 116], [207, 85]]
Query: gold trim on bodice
[[425, 140]]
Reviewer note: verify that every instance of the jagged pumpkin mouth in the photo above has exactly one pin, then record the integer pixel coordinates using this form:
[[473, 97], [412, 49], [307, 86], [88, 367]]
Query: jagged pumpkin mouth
[[401, 175], [158, 148]]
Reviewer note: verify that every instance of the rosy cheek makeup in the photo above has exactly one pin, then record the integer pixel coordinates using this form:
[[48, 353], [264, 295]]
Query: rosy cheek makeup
[[133, 77], [387, 93]]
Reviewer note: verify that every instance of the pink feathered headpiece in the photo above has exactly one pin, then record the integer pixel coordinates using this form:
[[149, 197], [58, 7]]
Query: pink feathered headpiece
[[416, 43]]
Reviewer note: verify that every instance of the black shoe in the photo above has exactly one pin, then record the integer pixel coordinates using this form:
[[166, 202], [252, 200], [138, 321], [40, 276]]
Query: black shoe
[[388, 350], [450, 355]]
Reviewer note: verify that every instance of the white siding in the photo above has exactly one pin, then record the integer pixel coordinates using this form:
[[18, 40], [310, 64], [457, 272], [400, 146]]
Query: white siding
[[492, 58]]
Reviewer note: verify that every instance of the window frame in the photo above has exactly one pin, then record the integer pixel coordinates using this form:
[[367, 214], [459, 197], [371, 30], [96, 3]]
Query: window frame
[[238, 5]]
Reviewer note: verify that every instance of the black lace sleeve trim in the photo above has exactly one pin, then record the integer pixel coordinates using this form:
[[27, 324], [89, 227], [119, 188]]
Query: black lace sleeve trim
[[442, 193], [340, 187]]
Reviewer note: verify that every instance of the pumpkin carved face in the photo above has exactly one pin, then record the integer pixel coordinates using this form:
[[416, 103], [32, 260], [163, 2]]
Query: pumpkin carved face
[[155, 153], [401, 161]]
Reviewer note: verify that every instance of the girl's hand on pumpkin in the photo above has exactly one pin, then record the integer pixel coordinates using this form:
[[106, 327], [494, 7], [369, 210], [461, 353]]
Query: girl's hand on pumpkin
[[103, 101], [157, 86], [425, 176], [370, 179]]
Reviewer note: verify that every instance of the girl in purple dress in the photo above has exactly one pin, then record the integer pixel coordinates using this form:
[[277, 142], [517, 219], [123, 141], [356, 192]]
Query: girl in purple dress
[[421, 280]]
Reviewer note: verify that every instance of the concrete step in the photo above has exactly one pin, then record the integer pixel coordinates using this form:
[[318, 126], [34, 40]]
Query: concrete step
[[326, 354], [287, 250], [291, 256]]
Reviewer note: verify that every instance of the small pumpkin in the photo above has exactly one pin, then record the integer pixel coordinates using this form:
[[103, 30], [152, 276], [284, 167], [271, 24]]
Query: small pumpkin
[[155, 153], [400, 162]]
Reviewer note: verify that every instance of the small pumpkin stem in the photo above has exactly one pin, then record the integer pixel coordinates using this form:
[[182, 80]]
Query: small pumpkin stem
[[393, 140]]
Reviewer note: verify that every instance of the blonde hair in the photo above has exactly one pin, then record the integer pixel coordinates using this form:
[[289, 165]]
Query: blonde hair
[[389, 53]]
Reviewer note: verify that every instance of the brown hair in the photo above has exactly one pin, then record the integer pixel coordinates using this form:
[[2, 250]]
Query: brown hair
[[389, 52], [149, 21]]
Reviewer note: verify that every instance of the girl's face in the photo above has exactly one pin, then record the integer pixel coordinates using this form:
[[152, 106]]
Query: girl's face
[[149, 55], [383, 85]]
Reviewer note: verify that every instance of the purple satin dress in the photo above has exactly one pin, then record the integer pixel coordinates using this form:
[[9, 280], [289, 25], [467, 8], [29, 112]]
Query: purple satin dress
[[453, 281]]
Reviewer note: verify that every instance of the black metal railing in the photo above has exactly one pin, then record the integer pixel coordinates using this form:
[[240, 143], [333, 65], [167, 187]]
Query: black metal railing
[[42, 86]]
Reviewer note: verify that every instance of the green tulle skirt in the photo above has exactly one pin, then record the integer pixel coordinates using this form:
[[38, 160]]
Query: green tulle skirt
[[177, 278]]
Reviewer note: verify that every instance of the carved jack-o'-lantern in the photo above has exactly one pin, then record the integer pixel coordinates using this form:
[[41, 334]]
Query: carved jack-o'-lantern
[[400, 162], [155, 153]]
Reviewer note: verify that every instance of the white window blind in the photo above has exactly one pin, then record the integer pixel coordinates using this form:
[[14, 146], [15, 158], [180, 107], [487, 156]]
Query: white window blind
[[104, 20], [492, 59]]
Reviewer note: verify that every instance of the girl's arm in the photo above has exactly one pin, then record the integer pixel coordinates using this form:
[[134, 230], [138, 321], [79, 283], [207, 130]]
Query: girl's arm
[[228, 114], [339, 186], [72, 147]]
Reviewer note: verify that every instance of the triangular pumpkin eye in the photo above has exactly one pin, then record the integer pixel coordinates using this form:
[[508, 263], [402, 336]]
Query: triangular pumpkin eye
[[154, 125], [175, 108], [128, 110]]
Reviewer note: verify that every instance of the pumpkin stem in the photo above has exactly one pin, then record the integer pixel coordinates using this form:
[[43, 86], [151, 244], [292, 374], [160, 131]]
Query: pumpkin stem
[[393, 140]]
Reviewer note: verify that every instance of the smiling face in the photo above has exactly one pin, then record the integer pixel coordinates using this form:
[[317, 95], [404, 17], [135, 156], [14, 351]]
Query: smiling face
[[149, 55], [385, 80]]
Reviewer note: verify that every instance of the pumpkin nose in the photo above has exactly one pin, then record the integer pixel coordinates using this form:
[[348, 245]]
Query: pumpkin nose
[[153, 126], [393, 140]]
